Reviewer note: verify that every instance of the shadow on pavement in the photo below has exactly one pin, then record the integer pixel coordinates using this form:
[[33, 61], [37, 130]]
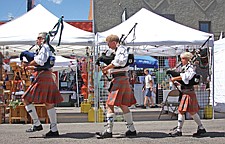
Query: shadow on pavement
[[144, 134], [212, 135], [70, 135], [78, 135], [152, 134]]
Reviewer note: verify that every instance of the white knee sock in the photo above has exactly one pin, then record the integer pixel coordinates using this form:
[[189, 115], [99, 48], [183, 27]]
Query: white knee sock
[[129, 119], [110, 121], [196, 118], [33, 114], [180, 122], [53, 119]]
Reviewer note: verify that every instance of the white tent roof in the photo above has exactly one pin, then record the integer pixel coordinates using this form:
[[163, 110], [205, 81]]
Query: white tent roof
[[219, 77], [22, 32], [60, 63], [152, 29]]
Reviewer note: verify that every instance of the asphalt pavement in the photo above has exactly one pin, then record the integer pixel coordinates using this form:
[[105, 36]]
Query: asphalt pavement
[[154, 132]]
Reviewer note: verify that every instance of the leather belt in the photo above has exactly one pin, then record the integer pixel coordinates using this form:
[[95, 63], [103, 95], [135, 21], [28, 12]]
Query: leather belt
[[119, 74], [187, 87]]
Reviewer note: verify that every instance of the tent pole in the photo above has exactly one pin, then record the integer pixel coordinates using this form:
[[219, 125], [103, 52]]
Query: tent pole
[[78, 97]]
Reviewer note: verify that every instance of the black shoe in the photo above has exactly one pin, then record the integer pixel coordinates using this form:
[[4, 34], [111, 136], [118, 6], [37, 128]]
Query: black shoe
[[51, 134], [35, 128], [175, 133], [199, 132], [130, 133], [144, 107], [104, 134]]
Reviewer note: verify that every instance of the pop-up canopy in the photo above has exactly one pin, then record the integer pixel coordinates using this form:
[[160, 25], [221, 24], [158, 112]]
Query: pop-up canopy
[[20, 34]]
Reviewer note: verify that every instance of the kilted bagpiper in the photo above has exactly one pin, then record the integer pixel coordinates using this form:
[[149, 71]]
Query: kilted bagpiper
[[189, 102], [120, 92], [43, 89]]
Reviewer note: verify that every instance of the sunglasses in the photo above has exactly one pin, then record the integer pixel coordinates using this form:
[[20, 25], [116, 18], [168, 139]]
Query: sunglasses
[[39, 38]]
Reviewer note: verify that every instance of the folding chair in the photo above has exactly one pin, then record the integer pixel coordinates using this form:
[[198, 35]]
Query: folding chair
[[171, 103]]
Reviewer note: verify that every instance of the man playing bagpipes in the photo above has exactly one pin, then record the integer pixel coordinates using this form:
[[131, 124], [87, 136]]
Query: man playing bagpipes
[[43, 89], [120, 91], [188, 102]]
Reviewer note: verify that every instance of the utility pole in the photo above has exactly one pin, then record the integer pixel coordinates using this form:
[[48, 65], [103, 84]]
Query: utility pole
[[30, 4]]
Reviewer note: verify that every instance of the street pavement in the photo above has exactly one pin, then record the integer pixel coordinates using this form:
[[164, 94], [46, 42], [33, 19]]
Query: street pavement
[[154, 132]]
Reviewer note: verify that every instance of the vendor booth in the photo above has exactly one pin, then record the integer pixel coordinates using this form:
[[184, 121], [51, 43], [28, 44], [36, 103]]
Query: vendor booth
[[219, 77], [151, 34], [20, 34]]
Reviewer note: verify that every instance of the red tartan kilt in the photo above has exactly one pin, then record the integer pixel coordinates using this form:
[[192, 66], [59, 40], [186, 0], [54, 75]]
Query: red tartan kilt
[[189, 103], [121, 92], [43, 90]]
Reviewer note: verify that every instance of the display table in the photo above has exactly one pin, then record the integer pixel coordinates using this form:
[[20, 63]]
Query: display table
[[67, 96]]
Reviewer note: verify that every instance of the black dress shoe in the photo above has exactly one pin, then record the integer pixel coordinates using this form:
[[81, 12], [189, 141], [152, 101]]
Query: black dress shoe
[[35, 128], [51, 134], [175, 133], [199, 132], [130, 133], [104, 134]]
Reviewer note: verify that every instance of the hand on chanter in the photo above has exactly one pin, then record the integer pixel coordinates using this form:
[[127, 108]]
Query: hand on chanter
[[30, 67], [24, 64]]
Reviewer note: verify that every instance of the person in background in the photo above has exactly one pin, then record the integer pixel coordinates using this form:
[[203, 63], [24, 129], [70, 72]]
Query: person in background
[[189, 102], [43, 89], [120, 91], [148, 88]]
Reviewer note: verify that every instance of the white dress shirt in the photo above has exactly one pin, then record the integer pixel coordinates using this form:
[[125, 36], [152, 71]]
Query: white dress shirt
[[43, 55], [188, 73], [120, 59]]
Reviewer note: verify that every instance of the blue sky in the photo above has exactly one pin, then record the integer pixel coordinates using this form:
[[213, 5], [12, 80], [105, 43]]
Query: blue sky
[[71, 9]]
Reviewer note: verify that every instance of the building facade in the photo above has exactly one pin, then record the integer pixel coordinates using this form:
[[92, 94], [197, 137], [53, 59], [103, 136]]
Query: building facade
[[204, 15]]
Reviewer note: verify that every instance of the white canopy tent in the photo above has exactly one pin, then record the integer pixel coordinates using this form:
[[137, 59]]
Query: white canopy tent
[[152, 29], [219, 77], [20, 34], [155, 35]]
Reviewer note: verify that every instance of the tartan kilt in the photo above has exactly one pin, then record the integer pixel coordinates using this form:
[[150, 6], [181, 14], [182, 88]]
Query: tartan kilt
[[189, 103], [121, 92], [43, 89]]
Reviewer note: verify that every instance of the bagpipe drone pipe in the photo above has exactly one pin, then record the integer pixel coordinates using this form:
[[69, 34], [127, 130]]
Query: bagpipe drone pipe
[[51, 59], [200, 55], [107, 59], [30, 57], [194, 81]]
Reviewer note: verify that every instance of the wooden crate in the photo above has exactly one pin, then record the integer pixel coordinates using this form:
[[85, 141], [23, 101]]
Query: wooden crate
[[20, 113], [2, 112]]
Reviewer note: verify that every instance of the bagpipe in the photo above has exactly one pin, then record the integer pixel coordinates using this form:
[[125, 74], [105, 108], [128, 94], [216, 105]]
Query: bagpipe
[[51, 59], [30, 57], [194, 81], [200, 55], [107, 59]]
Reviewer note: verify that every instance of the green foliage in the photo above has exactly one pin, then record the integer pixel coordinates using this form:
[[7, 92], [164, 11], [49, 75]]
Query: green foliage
[[14, 103]]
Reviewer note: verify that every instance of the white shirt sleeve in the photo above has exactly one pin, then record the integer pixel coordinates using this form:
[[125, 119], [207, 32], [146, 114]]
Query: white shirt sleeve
[[121, 56], [188, 74], [43, 55]]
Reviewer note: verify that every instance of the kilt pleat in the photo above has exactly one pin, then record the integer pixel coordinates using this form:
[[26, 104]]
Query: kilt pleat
[[121, 92], [43, 90], [189, 103]]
